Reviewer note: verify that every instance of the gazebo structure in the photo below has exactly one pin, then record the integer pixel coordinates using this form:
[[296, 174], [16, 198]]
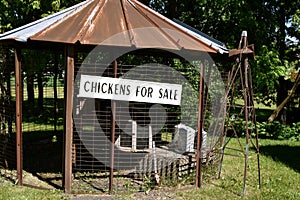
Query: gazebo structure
[[120, 26]]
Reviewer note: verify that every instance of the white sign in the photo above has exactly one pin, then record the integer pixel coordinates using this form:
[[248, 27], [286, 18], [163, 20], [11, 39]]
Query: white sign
[[129, 90]]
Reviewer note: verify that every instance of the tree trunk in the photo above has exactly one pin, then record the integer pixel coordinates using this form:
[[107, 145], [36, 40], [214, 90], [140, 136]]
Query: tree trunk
[[30, 88], [282, 29], [41, 92], [172, 9], [10, 117], [282, 93], [55, 92], [286, 100]]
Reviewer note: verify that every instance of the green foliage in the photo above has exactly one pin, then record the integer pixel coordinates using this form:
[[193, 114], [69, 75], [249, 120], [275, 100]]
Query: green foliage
[[267, 68], [226, 19], [16, 13], [221, 19], [276, 130], [148, 184]]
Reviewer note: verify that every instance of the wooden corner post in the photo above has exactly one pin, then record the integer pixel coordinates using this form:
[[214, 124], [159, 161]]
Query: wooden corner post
[[69, 88], [18, 81], [198, 181]]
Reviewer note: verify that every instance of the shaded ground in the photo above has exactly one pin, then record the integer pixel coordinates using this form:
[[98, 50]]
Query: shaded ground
[[289, 155], [9, 176]]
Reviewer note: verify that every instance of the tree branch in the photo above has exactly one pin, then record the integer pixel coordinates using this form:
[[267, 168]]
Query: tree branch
[[286, 100]]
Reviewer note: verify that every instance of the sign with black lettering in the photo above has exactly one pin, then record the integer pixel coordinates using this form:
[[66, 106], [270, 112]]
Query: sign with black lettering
[[129, 90]]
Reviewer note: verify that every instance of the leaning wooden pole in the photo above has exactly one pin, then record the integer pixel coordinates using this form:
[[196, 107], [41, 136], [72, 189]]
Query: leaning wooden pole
[[19, 145]]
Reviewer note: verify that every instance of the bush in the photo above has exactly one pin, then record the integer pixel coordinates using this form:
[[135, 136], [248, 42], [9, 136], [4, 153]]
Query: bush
[[273, 130]]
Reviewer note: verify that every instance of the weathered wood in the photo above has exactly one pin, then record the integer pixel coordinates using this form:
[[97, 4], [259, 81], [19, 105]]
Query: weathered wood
[[134, 135], [69, 88], [113, 129], [200, 126], [18, 81]]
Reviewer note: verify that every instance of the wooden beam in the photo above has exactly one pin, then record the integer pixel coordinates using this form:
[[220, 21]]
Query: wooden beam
[[69, 88], [198, 181], [19, 149], [246, 50], [113, 129]]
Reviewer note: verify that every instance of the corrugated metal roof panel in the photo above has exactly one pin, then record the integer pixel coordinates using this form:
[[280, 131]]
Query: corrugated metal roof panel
[[115, 23], [24, 32], [221, 47]]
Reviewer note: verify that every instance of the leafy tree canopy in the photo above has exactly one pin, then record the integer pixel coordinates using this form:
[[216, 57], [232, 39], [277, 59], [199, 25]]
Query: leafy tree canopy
[[272, 25]]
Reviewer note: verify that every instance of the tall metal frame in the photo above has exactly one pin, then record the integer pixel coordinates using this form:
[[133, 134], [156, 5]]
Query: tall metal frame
[[240, 76]]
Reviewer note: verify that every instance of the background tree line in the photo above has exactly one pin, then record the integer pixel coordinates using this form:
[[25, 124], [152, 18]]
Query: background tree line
[[272, 25]]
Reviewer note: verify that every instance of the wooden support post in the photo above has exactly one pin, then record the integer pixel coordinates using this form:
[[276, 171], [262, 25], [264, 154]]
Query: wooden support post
[[150, 137], [134, 135], [69, 88], [19, 145], [113, 128], [200, 125], [118, 141]]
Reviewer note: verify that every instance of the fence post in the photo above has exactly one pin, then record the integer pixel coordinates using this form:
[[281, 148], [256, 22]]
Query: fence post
[[200, 125], [69, 88], [19, 146]]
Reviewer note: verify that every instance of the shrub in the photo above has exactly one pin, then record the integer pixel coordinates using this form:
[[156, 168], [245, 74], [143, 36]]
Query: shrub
[[274, 130]]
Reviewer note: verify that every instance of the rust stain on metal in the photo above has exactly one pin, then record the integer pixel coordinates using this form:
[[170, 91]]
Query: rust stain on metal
[[98, 20]]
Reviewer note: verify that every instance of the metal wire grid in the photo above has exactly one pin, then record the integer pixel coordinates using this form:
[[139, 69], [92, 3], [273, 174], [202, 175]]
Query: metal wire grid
[[7, 118], [43, 133], [94, 116], [42, 114]]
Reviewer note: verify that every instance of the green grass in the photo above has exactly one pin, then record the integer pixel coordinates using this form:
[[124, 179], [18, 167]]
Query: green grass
[[280, 177], [257, 105], [12, 192], [280, 166]]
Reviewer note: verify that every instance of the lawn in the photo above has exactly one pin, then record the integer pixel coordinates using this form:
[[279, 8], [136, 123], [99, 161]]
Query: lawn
[[280, 176], [9, 192]]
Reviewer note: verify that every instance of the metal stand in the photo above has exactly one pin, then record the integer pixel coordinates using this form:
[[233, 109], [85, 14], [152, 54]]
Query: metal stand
[[239, 79]]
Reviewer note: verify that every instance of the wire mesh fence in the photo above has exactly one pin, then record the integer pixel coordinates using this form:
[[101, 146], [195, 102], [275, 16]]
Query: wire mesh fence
[[42, 113], [42, 120], [154, 143], [7, 118]]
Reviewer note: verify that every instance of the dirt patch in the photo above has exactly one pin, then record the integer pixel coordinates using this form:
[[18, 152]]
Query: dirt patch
[[153, 194]]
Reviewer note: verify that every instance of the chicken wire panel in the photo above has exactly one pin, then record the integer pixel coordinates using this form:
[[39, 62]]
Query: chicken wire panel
[[213, 125], [139, 125], [7, 114], [42, 112]]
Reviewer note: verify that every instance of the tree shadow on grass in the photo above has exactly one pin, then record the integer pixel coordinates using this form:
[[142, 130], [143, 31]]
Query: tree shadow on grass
[[289, 155]]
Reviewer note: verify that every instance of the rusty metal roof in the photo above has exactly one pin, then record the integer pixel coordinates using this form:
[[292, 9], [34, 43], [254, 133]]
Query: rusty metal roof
[[122, 23]]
